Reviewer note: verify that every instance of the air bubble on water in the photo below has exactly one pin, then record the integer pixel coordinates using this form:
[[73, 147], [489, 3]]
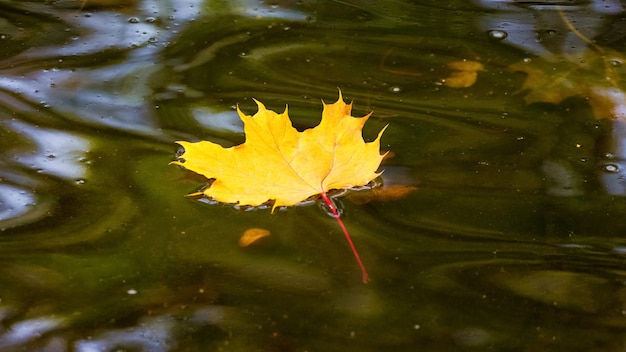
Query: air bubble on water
[[133, 20], [395, 89], [611, 168], [615, 62], [497, 34], [80, 181], [150, 19]]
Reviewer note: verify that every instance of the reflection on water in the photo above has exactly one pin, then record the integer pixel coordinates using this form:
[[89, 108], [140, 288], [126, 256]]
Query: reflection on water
[[57, 153], [512, 241]]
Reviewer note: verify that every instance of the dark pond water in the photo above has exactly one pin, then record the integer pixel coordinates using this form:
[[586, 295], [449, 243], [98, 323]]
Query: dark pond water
[[513, 240]]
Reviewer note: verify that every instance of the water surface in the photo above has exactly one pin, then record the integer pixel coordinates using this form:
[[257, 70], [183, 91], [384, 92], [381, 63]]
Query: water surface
[[513, 239]]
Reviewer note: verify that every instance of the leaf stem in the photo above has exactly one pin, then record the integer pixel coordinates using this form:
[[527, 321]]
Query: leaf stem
[[332, 207]]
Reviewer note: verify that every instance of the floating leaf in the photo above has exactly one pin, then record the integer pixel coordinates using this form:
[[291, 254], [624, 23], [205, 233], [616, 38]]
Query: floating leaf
[[281, 165]]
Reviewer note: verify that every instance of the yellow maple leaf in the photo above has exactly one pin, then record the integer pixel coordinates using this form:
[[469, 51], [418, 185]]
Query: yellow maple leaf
[[277, 163], [280, 164]]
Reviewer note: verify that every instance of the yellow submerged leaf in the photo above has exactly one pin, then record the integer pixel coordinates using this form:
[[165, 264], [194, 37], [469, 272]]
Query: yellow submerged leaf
[[252, 235], [464, 74], [280, 164], [597, 80]]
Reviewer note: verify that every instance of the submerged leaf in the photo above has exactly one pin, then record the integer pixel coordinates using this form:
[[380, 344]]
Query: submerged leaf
[[464, 74], [385, 194], [252, 235], [595, 77]]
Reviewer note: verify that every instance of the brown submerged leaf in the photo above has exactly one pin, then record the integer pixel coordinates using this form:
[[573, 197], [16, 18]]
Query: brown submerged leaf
[[385, 194]]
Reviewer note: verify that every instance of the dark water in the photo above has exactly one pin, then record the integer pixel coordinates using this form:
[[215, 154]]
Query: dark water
[[514, 239]]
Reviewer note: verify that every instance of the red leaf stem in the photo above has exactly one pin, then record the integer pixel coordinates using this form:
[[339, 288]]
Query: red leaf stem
[[332, 207]]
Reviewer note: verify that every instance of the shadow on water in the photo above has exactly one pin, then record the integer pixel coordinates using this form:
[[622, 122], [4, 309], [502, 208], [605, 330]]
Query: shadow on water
[[511, 242]]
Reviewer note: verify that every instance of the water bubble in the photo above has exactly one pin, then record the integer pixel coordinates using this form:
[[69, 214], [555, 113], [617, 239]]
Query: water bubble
[[133, 20], [150, 19], [615, 62], [80, 181], [611, 168], [395, 89], [497, 34]]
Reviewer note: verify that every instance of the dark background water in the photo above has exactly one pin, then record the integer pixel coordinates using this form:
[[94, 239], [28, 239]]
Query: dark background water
[[513, 240]]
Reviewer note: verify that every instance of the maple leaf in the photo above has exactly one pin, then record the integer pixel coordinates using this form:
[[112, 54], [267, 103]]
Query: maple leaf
[[597, 79], [277, 163], [594, 73], [464, 74]]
